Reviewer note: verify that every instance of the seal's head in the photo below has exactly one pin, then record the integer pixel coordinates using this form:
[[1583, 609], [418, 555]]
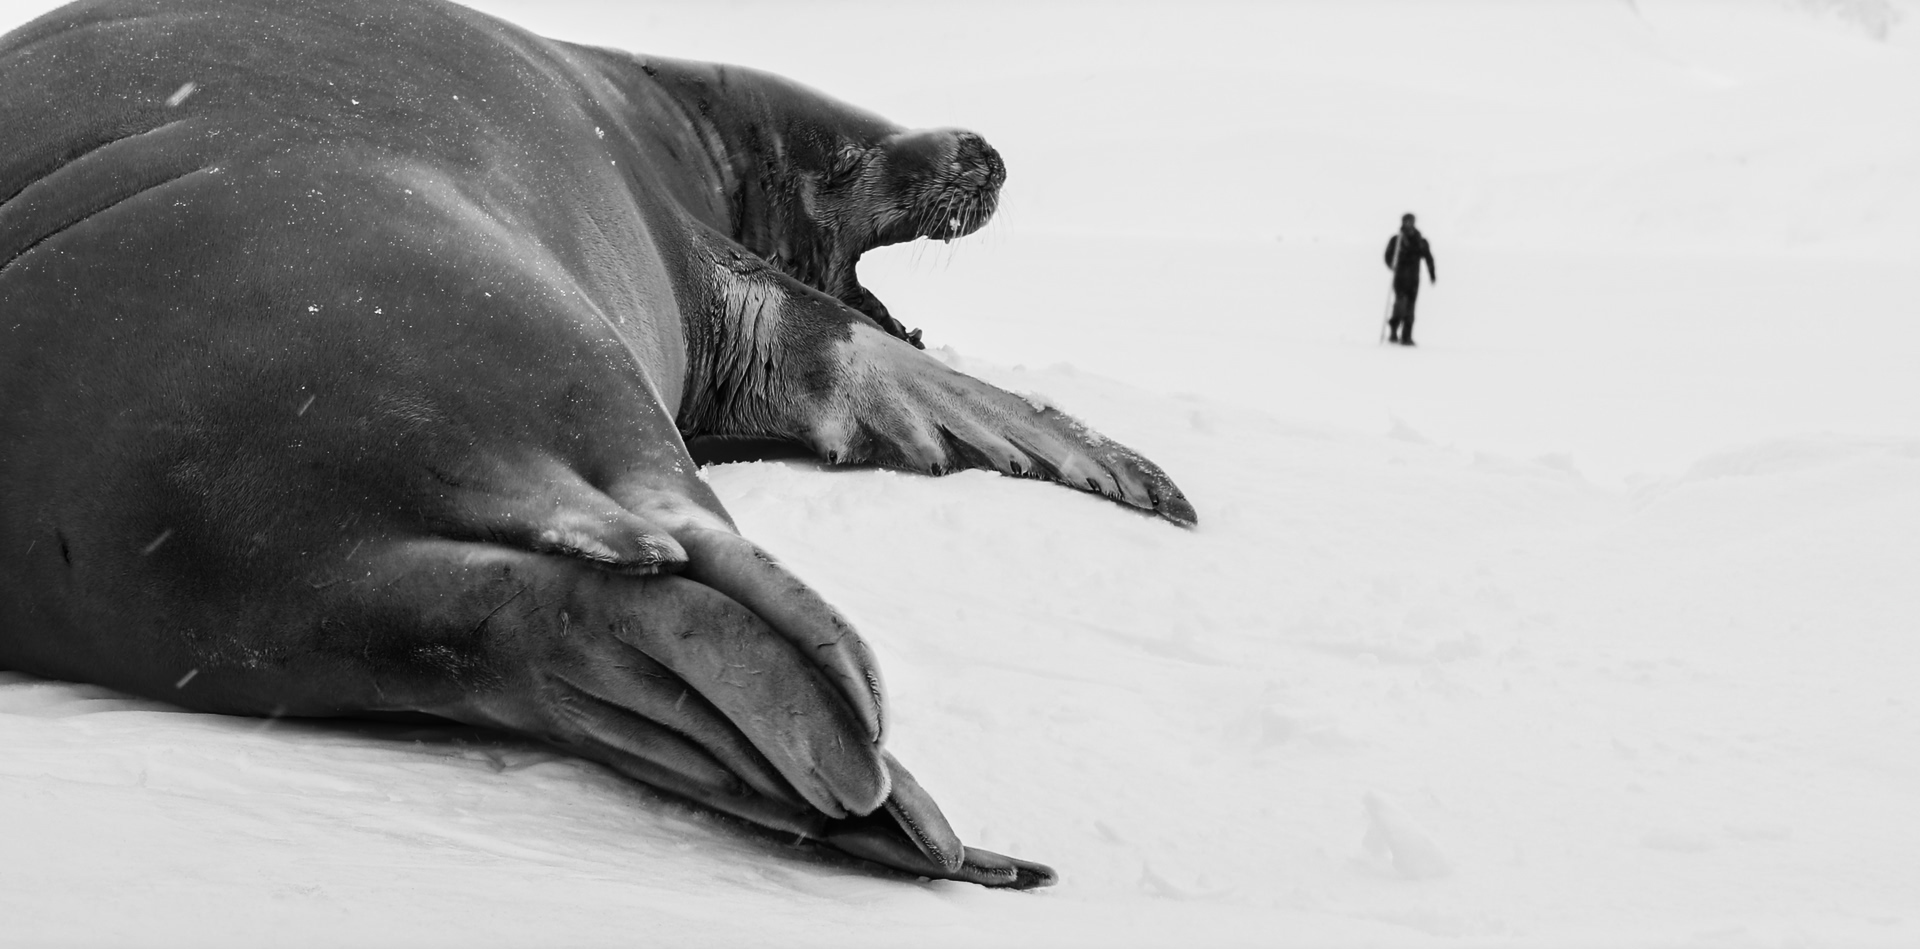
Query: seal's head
[[872, 191], [939, 183], [810, 183]]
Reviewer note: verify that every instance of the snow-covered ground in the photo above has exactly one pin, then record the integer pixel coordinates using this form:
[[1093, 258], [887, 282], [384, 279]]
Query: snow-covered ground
[[1591, 621]]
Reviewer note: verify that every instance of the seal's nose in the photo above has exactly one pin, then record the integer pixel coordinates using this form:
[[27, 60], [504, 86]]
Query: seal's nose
[[981, 163]]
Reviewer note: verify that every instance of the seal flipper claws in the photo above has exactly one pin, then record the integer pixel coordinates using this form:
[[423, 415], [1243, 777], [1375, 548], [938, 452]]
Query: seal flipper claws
[[869, 839], [1176, 508], [987, 868]]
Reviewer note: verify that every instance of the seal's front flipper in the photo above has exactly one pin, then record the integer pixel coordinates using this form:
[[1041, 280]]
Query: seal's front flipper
[[790, 362], [900, 408]]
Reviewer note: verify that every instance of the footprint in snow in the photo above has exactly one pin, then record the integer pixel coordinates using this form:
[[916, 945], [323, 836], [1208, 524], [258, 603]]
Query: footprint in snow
[[1393, 837]]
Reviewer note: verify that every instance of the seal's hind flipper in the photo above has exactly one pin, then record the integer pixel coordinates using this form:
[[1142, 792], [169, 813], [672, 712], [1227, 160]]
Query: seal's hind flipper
[[662, 677], [544, 506], [750, 576], [790, 362], [911, 834]]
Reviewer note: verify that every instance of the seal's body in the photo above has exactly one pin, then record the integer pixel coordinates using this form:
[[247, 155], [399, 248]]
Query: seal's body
[[347, 351]]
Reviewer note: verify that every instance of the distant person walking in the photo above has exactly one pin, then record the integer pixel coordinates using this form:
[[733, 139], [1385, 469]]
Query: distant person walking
[[1405, 251]]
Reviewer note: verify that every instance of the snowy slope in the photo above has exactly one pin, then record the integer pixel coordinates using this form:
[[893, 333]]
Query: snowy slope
[[1589, 622]]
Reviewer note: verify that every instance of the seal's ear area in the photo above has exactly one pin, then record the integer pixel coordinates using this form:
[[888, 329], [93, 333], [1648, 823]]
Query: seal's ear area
[[849, 161]]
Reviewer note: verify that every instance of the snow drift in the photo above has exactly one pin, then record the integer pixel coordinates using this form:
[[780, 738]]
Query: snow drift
[[1588, 622]]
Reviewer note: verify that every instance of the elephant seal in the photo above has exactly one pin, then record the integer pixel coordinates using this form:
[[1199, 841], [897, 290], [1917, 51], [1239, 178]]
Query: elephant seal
[[348, 351]]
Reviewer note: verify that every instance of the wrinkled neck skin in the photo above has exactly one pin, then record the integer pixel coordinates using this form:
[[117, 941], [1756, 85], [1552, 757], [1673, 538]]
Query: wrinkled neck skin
[[809, 183], [776, 154]]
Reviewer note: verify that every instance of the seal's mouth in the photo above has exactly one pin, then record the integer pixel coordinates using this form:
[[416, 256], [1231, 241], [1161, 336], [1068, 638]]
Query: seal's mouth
[[946, 182], [936, 183], [969, 190]]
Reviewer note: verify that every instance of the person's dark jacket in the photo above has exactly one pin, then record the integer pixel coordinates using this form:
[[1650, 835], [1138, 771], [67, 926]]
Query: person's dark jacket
[[1406, 276]]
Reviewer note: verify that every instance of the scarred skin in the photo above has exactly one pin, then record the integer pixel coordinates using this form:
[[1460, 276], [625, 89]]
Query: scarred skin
[[347, 354]]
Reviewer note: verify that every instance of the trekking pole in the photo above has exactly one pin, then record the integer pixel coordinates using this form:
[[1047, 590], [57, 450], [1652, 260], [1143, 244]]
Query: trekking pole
[[1399, 244]]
